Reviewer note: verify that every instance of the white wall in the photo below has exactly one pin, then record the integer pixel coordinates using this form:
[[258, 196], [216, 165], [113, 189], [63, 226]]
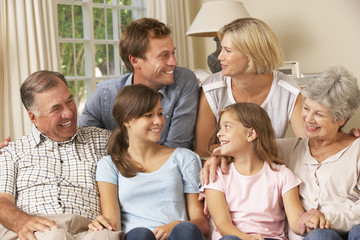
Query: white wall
[[317, 33]]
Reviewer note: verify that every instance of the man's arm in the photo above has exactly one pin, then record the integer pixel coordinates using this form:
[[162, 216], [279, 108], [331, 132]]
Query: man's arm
[[24, 225], [91, 115]]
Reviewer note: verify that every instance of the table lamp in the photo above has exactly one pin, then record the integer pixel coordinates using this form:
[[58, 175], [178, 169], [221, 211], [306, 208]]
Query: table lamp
[[212, 16]]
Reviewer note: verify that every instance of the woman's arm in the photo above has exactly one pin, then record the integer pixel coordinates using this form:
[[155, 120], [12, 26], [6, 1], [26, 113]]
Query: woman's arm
[[296, 121], [219, 212], [110, 210], [204, 128]]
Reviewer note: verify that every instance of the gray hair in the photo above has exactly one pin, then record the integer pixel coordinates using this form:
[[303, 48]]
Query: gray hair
[[336, 89], [37, 82]]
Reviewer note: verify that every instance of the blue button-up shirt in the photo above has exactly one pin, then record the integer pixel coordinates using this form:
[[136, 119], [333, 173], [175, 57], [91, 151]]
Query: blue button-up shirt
[[179, 103]]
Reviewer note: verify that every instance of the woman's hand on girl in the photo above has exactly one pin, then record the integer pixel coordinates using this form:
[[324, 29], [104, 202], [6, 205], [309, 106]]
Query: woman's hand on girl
[[101, 223]]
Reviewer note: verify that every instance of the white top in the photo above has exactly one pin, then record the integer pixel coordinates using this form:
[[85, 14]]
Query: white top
[[279, 103], [255, 202], [332, 186]]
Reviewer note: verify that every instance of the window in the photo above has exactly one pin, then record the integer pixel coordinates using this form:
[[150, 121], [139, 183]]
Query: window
[[89, 33]]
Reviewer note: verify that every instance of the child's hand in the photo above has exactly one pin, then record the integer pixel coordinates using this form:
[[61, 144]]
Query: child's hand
[[162, 232], [100, 223], [313, 219]]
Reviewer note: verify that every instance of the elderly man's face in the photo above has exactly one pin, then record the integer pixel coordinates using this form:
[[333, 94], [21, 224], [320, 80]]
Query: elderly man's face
[[55, 113]]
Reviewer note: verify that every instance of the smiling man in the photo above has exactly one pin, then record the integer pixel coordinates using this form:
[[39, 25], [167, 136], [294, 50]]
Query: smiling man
[[47, 178], [147, 51]]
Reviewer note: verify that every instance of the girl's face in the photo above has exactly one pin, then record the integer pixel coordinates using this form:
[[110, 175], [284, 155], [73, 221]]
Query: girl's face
[[319, 121], [233, 61], [148, 127], [233, 136]]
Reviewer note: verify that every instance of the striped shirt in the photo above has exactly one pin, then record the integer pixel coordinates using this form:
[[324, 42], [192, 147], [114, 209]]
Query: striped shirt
[[49, 177]]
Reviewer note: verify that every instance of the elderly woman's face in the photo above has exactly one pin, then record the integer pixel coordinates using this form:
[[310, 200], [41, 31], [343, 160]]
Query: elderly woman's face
[[319, 121]]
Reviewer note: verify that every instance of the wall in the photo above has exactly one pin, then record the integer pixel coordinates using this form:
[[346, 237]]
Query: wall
[[318, 34]]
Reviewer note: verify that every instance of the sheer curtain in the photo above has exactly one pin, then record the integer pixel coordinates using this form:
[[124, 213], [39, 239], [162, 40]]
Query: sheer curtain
[[175, 14], [28, 43]]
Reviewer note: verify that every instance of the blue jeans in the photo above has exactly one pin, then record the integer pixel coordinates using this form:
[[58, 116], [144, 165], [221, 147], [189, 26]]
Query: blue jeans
[[183, 230], [231, 237], [330, 234]]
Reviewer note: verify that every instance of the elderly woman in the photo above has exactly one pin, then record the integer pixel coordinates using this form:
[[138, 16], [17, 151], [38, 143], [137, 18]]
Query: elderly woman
[[328, 160]]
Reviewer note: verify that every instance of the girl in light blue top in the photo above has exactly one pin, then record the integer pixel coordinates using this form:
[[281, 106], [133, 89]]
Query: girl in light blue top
[[147, 190]]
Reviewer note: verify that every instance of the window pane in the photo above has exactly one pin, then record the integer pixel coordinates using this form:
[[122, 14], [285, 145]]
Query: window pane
[[125, 16], [64, 20], [72, 88], [80, 59], [81, 91], [110, 1], [98, 1], [78, 21], [109, 22], [67, 59], [125, 2], [111, 59], [100, 60], [99, 23]]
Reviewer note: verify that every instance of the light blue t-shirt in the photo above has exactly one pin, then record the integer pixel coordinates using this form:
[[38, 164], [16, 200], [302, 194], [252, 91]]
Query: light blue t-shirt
[[157, 198]]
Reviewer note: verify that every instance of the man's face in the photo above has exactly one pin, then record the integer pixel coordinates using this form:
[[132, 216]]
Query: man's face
[[157, 69], [55, 113]]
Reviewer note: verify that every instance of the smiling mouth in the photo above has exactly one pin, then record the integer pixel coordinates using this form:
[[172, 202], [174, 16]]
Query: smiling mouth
[[67, 124], [223, 142], [155, 130], [311, 128], [169, 72]]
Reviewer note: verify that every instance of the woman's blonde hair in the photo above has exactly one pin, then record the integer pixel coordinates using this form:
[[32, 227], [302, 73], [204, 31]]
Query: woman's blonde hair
[[253, 116], [256, 41]]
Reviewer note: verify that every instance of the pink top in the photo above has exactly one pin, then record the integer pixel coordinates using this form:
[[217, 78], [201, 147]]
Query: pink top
[[255, 202]]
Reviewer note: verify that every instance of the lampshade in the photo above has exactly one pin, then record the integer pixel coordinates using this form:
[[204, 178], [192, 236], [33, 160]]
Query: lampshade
[[215, 14]]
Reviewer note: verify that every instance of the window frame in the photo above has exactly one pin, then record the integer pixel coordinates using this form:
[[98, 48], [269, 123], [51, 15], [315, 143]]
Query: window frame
[[138, 8]]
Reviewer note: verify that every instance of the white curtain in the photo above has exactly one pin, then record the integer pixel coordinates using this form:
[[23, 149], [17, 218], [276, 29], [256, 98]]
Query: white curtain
[[175, 13], [28, 43]]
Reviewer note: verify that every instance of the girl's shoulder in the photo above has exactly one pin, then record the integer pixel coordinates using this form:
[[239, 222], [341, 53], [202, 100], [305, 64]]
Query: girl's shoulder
[[184, 157]]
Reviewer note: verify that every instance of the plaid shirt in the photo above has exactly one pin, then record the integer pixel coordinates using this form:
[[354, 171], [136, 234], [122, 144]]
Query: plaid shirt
[[49, 177]]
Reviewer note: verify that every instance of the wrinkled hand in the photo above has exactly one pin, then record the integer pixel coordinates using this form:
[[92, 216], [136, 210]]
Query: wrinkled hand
[[355, 132], [25, 229], [4, 143], [210, 168], [313, 219], [162, 232], [101, 223]]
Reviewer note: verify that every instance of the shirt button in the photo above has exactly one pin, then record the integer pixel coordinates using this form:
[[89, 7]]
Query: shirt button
[[315, 199], [167, 116], [317, 182]]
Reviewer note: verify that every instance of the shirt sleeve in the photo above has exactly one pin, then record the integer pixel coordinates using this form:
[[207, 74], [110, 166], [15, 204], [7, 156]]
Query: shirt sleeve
[[182, 123], [106, 171], [190, 166], [91, 115], [217, 185], [8, 172], [288, 178]]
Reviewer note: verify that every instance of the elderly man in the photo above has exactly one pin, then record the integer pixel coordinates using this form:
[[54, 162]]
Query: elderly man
[[47, 178], [147, 51]]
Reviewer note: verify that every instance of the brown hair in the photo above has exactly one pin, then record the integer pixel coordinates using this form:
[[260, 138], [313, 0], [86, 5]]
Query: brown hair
[[253, 116], [38, 82], [131, 102], [134, 40]]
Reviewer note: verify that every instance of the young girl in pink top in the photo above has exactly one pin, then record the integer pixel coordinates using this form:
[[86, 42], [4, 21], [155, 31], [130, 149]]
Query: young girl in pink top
[[250, 201]]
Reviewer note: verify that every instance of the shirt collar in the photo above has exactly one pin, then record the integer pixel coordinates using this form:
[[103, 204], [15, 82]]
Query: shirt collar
[[162, 91], [38, 137]]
